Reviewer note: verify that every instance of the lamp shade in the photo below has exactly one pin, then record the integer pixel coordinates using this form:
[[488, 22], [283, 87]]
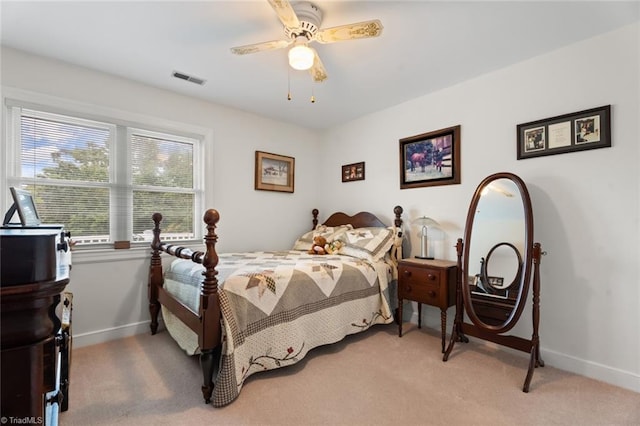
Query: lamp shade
[[425, 221], [301, 56]]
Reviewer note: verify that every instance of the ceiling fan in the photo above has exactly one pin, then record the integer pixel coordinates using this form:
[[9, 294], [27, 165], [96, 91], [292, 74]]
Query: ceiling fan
[[302, 26]]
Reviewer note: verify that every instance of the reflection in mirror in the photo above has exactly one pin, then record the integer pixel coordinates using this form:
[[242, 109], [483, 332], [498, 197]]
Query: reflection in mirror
[[506, 265], [495, 247]]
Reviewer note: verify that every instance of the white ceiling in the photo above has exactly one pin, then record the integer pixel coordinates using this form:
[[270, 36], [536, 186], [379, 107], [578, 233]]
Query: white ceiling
[[425, 46]]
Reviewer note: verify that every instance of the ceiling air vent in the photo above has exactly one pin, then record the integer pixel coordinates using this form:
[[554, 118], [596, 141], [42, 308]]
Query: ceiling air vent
[[186, 77]]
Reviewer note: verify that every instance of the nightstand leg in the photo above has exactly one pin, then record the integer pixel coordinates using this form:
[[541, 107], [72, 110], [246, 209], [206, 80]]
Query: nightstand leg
[[443, 326], [419, 315]]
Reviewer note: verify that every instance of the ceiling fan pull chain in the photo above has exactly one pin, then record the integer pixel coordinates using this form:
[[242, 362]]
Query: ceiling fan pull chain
[[313, 98], [288, 84]]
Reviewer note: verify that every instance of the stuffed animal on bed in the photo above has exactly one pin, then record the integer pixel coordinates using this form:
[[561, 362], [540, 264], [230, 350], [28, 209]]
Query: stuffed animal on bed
[[318, 245], [333, 247]]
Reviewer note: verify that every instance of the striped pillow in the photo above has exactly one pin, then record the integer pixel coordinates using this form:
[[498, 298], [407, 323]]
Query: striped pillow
[[367, 243]]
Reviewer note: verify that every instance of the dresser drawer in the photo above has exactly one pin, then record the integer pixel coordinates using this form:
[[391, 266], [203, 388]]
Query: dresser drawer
[[424, 285]]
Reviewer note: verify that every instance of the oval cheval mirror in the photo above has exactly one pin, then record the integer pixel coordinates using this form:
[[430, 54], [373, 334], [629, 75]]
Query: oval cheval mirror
[[497, 260]]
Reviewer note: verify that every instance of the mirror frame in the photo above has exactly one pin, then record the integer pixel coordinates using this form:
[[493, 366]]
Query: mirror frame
[[530, 272], [527, 256]]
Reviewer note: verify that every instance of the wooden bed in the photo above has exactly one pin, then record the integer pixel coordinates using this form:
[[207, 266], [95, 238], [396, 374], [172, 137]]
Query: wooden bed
[[206, 319]]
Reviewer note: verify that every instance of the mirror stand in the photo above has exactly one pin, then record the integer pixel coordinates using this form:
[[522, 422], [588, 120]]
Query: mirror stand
[[461, 328]]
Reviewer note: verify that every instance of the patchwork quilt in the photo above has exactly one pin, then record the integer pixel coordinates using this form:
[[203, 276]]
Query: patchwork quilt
[[276, 306]]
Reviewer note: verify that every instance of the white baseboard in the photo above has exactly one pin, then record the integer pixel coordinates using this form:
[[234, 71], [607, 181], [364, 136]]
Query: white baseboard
[[108, 334], [590, 369], [593, 370]]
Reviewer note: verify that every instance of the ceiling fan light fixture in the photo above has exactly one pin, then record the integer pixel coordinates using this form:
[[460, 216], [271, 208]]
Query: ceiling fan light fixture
[[301, 57], [301, 21]]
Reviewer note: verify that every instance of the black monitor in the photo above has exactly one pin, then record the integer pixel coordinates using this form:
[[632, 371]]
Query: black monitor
[[24, 205]]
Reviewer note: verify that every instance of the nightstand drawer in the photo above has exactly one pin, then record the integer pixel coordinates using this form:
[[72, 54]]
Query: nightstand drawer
[[421, 285]]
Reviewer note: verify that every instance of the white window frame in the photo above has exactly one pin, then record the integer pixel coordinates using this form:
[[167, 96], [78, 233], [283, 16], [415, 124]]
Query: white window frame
[[15, 99]]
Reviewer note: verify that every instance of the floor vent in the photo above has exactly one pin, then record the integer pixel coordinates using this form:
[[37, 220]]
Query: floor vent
[[186, 77]]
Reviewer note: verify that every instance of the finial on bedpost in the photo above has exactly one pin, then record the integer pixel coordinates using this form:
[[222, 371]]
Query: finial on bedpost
[[398, 220], [157, 218], [211, 217], [315, 212]]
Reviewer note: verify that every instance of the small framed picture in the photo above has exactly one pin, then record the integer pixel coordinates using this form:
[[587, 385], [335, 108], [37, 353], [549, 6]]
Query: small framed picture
[[274, 172], [351, 172], [496, 282], [579, 131], [535, 139]]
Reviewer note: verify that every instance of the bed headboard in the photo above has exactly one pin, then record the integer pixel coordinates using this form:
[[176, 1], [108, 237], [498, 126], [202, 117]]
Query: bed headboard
[[359, 220]]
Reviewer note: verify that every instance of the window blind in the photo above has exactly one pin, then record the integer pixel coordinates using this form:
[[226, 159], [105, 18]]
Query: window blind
[[103, 180], [162, 175], [65, 165]]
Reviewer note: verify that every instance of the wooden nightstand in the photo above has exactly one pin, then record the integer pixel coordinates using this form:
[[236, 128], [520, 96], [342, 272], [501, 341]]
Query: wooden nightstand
[[427, 281]]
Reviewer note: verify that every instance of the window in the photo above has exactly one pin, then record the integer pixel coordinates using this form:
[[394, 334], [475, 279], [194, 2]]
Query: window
[[103, 179], [162, 174]]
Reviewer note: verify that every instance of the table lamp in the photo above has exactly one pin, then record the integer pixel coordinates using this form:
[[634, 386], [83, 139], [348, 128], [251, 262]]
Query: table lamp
[[424, 223]]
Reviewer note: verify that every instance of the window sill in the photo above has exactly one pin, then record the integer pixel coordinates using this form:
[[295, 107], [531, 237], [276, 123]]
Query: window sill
[[137, 251]]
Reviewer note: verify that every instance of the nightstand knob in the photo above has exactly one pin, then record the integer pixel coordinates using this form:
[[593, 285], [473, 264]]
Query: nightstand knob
[[432, 277], [432, 293], [407, 273], [407, 288]]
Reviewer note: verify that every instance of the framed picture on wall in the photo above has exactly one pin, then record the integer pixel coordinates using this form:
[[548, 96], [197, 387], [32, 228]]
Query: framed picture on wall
[[430, 159], [274, 172], [579, 131], [351, 172]]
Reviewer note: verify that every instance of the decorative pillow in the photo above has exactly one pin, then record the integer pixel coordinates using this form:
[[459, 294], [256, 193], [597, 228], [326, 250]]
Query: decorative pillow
[[370, 244], [330, 233]]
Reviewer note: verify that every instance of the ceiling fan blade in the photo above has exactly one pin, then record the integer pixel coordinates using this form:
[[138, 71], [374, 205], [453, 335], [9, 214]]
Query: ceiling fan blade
[[261, 47], [286, 13], [317, 70], [350, 32]]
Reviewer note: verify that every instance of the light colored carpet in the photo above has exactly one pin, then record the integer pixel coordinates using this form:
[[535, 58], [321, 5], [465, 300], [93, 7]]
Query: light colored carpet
[[375, 378]]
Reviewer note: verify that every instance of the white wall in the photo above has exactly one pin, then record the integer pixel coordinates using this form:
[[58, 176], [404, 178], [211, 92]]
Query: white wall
[[110, 292], [585, 203]]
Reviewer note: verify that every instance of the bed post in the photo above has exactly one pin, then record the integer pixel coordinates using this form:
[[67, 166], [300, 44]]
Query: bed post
[[315, 212], [155, 274], [396, 251], [209, 338], [398, 210]]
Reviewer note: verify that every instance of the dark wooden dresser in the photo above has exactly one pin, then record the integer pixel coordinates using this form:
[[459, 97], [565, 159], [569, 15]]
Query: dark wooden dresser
[[432, 282], [34, 342]]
